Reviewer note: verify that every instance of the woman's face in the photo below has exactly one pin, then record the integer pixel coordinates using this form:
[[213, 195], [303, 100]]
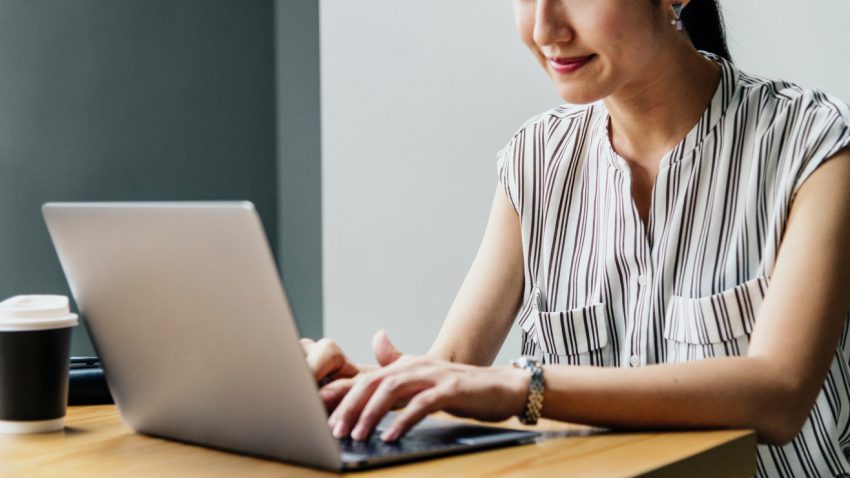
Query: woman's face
[[594, 48]]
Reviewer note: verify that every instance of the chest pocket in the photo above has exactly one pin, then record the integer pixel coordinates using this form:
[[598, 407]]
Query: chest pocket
[[576, 337], [715, 326]]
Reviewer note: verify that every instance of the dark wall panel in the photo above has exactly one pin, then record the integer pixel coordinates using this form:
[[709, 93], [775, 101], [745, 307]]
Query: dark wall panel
[[129, 100], [300, 155]]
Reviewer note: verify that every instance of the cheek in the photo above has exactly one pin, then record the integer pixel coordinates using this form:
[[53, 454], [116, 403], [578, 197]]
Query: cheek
[[605, 29], [624, 38]]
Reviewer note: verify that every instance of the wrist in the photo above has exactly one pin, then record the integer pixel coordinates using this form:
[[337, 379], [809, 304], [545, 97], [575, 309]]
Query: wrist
[[517, 382]]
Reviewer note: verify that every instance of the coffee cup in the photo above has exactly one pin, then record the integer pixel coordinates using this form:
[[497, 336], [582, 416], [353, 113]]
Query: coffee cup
[[35, 341]]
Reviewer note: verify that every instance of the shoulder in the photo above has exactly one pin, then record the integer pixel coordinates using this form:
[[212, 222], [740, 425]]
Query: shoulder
[[801, 128], [562, 127], [559, 121], [804, 126], [790, 101]]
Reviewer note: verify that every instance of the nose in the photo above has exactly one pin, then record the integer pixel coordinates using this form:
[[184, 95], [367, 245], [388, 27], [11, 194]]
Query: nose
[[551, 23]]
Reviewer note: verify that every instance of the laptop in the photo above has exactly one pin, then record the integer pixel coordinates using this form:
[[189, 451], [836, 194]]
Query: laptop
[[188, 314]]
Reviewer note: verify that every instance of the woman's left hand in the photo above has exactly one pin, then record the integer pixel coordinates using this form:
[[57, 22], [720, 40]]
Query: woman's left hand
[[425, 385]]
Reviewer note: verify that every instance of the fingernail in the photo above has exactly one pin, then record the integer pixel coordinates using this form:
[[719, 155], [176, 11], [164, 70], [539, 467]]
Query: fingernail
[[388, 435], [359, 433], [339, 430]]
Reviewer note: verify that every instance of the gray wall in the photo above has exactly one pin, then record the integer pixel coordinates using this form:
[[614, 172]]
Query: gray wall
[[799, 42], [300, 156], [129, 100]]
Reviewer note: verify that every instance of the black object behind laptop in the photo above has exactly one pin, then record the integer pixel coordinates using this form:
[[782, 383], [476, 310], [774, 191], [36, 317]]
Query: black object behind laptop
[[87, 384]]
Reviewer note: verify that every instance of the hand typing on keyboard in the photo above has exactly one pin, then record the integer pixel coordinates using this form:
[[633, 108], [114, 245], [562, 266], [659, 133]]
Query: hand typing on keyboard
[[424, 385], [334, 372]]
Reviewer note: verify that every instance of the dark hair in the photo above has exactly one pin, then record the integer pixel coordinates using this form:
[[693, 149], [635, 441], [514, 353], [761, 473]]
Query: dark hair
[[703, 21]]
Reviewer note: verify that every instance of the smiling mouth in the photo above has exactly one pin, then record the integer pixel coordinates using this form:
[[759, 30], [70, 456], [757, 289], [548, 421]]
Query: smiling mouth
[[566, 65]]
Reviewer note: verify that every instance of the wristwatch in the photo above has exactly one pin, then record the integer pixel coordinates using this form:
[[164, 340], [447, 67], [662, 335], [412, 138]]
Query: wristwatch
[[534, 403]]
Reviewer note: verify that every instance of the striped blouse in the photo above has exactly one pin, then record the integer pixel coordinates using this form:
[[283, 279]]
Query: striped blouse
[[604, 289]]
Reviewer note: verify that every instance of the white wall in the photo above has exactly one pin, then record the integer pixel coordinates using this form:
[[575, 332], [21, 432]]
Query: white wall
[[807, 43], [417, 96]]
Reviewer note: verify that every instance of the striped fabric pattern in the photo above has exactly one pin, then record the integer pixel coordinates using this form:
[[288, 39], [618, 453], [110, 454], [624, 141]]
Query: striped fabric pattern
[[605, 289]]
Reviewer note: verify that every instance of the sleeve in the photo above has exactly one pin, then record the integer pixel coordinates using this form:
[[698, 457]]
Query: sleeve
[[513, 159], [824, 131], [506, 164]]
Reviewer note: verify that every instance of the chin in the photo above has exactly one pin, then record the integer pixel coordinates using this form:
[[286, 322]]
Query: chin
[[579, 96]]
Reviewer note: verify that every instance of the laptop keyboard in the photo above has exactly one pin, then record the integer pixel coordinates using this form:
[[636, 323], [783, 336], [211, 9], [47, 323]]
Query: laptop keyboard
[[430, 437], [406, 445]]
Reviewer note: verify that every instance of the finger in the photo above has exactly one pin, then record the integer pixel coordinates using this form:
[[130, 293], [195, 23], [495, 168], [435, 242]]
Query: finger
[[306, 343], [400, 403], [348, 411], [426, 402], [326, 359], [392, 390], [385, 351], [334, 392], [323, 361]]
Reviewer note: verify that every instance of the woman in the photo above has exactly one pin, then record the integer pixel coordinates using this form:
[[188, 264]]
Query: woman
[[679, 224]]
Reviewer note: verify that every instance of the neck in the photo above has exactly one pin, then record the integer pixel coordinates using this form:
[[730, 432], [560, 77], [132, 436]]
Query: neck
[[652, 114]]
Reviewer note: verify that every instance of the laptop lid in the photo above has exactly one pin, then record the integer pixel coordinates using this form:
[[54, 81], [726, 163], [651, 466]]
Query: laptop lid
[[185, 307]]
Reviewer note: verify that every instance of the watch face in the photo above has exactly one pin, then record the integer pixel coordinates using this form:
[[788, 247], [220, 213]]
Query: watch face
[[525, 362]]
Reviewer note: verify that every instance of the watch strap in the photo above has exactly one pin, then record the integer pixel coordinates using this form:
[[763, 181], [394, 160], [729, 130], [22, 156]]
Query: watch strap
[[534, 402]]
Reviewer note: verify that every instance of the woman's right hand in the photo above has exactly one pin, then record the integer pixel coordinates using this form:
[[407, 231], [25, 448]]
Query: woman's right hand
[[334, 372]]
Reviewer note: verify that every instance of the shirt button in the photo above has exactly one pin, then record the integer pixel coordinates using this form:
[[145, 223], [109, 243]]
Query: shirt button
[[634, 361], [642, 280]]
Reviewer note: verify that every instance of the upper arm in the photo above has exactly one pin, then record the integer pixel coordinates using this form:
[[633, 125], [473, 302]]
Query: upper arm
[[486, 304], [808, 300]]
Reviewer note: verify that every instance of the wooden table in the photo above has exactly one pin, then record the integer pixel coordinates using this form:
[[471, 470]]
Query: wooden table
[[96, 443]]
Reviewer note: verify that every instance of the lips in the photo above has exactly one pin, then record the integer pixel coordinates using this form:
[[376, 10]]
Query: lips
[[565, 65]]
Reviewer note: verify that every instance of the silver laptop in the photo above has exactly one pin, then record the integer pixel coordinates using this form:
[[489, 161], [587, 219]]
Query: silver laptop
[[186, 309]]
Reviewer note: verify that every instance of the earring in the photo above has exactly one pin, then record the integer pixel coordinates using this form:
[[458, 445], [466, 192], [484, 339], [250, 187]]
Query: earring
[[677, 12]]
